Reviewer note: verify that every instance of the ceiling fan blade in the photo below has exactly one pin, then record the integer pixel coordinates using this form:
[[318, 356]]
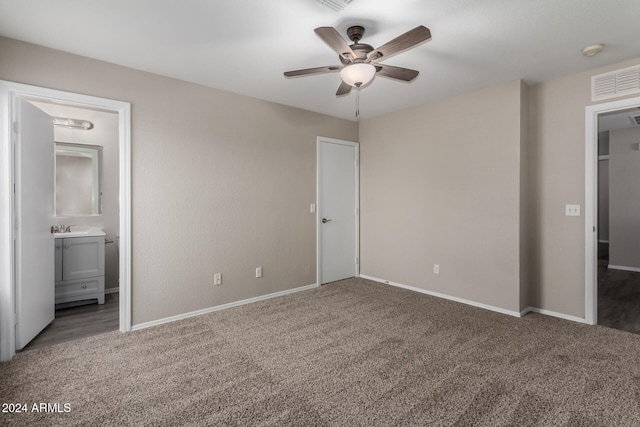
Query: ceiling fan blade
[[335, 41], [316, 70], [401, 43], [343, 89], [396, 73]]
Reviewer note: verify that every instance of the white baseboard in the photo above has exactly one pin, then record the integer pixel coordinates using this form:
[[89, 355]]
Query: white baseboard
[[623, 267], [553, 314], [112, 290], [445, 296], [220, 307]]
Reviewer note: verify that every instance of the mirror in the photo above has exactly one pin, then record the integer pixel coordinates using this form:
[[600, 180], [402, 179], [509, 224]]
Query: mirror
[[78, 171]]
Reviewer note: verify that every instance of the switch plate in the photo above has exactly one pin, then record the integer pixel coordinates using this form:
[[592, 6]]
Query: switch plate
[[572, 210], [436, 268], [217, 279], [259, 272]]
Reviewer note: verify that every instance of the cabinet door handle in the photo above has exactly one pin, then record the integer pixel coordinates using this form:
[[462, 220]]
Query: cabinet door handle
[[66, 246], [84, 286]]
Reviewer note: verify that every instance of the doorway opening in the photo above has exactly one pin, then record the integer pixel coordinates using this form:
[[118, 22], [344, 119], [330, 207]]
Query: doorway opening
[[618, 219], [612, 213], [53, 102], [86, 199]]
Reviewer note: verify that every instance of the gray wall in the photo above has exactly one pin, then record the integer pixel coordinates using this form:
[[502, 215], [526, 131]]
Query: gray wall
[[624, 198], [220, 182], [557, 153], [440, 184]]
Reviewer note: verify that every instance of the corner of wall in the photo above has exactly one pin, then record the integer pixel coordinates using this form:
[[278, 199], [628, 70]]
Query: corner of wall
[[525, 199]]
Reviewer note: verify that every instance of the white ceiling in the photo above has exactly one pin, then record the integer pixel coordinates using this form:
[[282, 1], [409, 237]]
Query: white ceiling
[[617, 120], [244, 46]]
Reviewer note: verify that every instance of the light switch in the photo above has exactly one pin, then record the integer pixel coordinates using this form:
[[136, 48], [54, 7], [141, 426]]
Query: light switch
[[572, 210], [312, 208]]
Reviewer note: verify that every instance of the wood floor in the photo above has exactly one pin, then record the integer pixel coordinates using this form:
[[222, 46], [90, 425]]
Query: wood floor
[[618, 298], [78, 322]]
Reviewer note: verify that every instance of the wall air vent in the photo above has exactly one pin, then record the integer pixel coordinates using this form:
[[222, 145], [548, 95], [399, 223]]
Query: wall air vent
[[336, 5], [616, 83], [635, 120]]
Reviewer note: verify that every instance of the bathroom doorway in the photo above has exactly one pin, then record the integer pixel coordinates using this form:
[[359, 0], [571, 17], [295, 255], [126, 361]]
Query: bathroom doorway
[[118, 236], [86, 199]]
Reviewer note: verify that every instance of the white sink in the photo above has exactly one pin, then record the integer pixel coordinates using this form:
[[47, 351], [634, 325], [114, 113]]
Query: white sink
[[81, 232]]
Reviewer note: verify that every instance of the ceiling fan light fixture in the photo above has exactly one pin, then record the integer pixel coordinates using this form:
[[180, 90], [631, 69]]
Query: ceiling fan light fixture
[[357, 75]]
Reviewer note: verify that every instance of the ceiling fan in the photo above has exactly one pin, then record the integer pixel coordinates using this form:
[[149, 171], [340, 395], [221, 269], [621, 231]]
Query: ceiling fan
[[360, 61]]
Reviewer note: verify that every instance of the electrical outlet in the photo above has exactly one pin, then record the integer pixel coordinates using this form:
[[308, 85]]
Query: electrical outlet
[[572, 210], [259, 272], [217, 279], [436, 268]]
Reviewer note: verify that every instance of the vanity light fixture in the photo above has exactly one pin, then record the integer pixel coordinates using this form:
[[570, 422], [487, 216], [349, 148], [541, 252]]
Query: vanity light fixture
[[72, 123]]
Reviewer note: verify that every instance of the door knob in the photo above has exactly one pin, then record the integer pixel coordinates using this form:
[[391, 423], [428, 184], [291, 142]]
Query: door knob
[[325, 220]]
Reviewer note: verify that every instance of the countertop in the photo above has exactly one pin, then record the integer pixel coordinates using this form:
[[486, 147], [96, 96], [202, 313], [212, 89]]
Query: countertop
[[80, 232]]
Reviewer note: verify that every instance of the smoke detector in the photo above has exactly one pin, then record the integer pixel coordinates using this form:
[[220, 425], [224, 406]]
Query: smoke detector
[[592, 50]]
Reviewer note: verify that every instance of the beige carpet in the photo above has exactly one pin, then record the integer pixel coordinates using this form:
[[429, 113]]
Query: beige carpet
[[350, 353]]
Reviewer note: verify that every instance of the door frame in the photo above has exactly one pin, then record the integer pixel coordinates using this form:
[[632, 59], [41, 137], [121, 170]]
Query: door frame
[[591, 200], [324, 140], [9, 93]]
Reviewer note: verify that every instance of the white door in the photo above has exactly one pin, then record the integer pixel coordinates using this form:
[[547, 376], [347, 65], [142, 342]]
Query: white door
[[337, 209], [34, 269]]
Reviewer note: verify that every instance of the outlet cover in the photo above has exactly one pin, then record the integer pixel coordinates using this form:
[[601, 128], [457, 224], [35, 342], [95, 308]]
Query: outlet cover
[[436, 268], [572, 210], [259, 272], [217, 279]]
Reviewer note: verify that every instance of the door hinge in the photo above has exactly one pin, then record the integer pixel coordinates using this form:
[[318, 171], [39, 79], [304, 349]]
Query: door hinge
[[594, 228], [357, 260], [16, 126]]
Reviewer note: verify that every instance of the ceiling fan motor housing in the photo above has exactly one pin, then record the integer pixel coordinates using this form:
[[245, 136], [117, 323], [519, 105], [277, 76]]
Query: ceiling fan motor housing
[[360, 49], [355, 33]]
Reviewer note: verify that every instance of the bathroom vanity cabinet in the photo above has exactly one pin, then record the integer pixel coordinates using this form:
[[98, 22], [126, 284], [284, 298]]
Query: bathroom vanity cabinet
[[79, 268]]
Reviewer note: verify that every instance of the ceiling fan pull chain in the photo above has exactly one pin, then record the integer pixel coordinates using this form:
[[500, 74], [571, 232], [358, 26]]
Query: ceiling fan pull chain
[[357, 102]]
